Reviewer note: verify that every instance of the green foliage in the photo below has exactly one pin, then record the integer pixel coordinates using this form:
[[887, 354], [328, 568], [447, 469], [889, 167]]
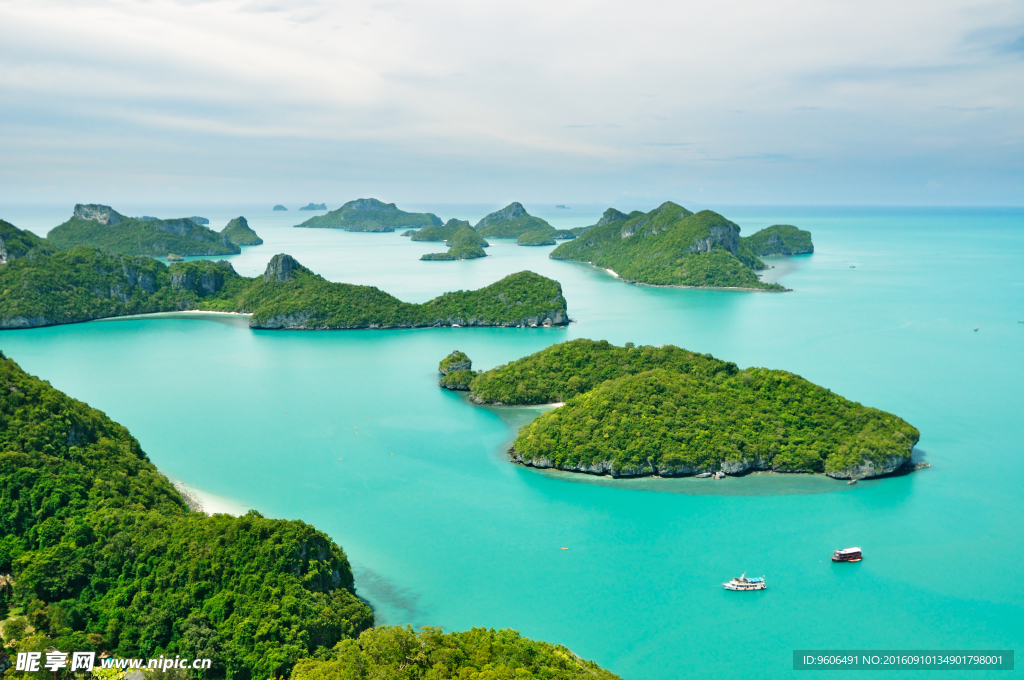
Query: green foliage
[[669, 246], [780, 239], [537, 238], [240, 233], [106, 556], [456, 361], [456, 371], [16, 243], [129, 236], [398, 653], [440, 232], [369, 214], [85, 283], [564, 235], [677, 423], [463, 244], [512, 221], [457, 380], [562, 371], [291, 296]]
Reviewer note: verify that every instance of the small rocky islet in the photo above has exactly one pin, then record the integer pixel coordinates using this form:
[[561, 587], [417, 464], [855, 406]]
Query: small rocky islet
[[664, 411]]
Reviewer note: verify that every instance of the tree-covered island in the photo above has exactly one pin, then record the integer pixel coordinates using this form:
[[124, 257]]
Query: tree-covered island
[[463, 244], [240, 233], [640, 411], [100, 226], [85, 283], [439, 232], [512, 221], [780, 239], [456, 371], [671, 246], [369, 214], [99, 552]]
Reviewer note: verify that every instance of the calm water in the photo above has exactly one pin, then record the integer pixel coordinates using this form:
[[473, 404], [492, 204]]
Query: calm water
[[442, 530]]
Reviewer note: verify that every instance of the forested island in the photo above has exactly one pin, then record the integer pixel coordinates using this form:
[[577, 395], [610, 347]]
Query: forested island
[[439, 232], [512, 221], [640, 411], [780, 239], [456, 371], [463, 244], [99, 552], [369, 214], [537, 238], [100, 226], [240, 233], [672, 246], [314, 206], [81, 284]]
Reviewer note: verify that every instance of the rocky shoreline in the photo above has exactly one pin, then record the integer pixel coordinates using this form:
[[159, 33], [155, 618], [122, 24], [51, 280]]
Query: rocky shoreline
[[299, 322], [895, 463]]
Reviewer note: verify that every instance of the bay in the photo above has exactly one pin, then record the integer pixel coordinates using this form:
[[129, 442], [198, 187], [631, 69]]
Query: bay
[[348, 431]]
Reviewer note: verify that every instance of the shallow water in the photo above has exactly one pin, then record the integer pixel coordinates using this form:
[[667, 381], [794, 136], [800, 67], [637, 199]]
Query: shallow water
[[348, 430]]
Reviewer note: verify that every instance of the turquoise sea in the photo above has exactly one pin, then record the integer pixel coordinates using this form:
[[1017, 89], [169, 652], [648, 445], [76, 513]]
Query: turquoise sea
[[348, 431]]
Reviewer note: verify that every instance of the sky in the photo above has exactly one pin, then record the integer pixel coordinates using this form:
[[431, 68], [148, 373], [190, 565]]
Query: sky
[[834, 102]]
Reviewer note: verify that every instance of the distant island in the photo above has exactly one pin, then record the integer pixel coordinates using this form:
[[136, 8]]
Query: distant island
[[671, 246], [314, 206], [16, 243], [240, 233], [281, 208], [562, 207], [537, 238], [439, 232], [463, 244], [82, 284], [369, 214], [780, 239], [640, 411], [199, 220], [512, 221], [100, 226]]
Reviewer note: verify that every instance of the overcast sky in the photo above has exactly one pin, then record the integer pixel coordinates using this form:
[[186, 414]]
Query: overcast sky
[[735, 101]]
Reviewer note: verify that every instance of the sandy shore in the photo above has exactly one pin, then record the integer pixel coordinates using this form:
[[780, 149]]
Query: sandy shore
[[209, 503]]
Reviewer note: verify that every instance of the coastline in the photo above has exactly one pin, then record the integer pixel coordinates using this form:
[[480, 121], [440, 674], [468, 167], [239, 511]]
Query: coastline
[[204, 501], [667, 285], [169, 315]]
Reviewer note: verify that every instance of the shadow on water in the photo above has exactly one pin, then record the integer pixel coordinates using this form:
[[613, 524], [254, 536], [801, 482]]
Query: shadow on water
[[385, 597]]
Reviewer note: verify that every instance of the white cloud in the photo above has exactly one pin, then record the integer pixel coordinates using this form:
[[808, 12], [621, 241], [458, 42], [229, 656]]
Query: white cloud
[[582, 97]]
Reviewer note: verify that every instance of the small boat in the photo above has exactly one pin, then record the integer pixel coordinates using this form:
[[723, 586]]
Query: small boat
[[975, 328], [847, 555], [744, 583]]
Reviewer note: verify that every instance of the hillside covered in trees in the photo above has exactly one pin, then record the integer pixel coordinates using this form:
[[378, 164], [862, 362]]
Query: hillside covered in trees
[[98, 552], [636, 411], [669, 246], [85, 283], [102, 227]]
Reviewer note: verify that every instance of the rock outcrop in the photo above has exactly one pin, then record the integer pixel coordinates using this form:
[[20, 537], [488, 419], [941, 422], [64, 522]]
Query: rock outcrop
[[103, 214], [280, 268]]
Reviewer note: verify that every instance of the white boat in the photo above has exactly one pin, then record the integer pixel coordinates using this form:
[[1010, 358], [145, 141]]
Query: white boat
[[744, 583]]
